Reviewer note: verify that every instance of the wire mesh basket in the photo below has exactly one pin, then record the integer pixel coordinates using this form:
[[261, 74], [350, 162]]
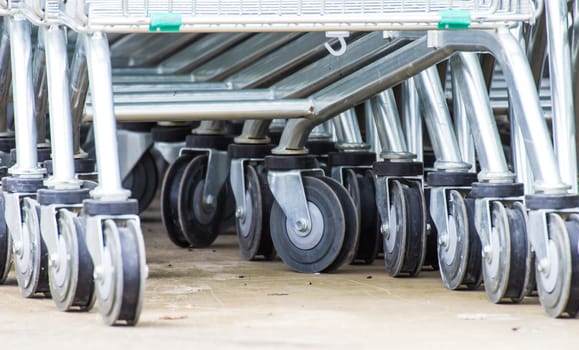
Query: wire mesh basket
[[292, 15]]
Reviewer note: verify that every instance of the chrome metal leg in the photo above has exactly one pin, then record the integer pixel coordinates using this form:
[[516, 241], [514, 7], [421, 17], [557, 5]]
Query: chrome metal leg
[[5, 76], [371, 129], [561, 91], [60, 113], [523, 92], [79, 86], [388, 126], [40, 89], [348, 132], [438, 124], [469, 83], [412, 119], [254, 131], [23, 92], [210, 127], [99, 69]]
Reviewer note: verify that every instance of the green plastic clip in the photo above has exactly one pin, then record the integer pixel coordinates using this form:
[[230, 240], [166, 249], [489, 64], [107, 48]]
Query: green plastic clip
[[165, 22], [454, 19]]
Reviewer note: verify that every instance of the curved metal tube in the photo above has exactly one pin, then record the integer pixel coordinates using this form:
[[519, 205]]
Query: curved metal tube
[[523, 92]]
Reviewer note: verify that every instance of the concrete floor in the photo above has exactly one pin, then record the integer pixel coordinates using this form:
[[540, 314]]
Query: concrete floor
[[213, 298]]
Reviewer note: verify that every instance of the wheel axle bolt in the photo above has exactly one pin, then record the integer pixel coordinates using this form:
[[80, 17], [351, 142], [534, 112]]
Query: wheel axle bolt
[[18, 248], [544, 265], [385, 231], [209, 200], [239, 213], [53, 262], [98, 273], [302, 225], [486, 252], [443, 240]]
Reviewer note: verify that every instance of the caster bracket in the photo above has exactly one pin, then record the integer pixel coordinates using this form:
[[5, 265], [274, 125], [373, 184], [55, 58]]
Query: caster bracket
[[217, 171], [288, 190], [383, 197]]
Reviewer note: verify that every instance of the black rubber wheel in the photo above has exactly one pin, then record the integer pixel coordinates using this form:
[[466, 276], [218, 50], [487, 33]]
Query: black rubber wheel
[[431, 255], [170, 200], [459, 249], [405, 241], [143, 180], [352, 232], [315, 250], [362, 190], [253, 228], [558, 284], [5, 245], [199, 222], [31, 258], [506, 266], [71, 276], [120, 283]]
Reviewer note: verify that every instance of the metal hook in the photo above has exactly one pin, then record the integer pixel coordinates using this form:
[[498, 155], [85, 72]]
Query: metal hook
[[341, 39]]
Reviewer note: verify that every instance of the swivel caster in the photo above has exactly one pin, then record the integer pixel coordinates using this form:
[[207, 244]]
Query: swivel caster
[[558, 280], [5, 245], [170, 200], [143, 180], [30, 253], [405, 235], [118, 253], [459, 249], [199, 218], [253, 230], [507, 256], [362, 191], [71, 269], [314, 246]]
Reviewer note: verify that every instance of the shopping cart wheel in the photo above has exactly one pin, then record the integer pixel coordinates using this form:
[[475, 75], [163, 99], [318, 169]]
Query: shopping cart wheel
[[199, 221], [431, 255], [506, 263], [31, 255], [143, 180], [361, 189], [253, 227], [5, 245], [71, 272], [405, 239], [317, 248], [558, 283], [170, 200], [457, 247], [352, 226], [120, 278]]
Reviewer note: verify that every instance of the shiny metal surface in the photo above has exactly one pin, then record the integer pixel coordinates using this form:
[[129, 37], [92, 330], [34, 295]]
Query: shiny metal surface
[[23, 95], [5, 75], [562, 92], [79, 86], [388, 125], [471, 88], [412, 119], [510, 56], [99, 70], [40, 89], [347, 131], [438, 123], [60, 110]]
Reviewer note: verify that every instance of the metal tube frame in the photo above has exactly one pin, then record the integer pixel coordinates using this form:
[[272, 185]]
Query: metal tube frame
[[23, 94], [99, 70], [63, 176]]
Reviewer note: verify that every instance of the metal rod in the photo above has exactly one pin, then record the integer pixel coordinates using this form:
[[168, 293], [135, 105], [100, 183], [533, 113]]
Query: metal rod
[[40, 88], [438, 123], [79, 86], [5, 76], [387, 121], [469, 82], [60, 111], [561, 91], [23, 95], [355, 88], [347, 129], [509, 54], [412, 119], [461, 122], [106, 147]]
